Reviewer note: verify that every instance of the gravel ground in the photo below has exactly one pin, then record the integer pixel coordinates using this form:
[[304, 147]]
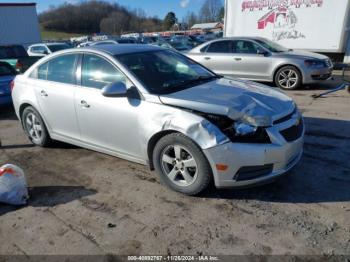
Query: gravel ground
[[83, 202]]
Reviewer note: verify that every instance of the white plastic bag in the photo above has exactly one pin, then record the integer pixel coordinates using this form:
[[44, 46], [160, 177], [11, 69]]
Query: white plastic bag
[[13, 185]]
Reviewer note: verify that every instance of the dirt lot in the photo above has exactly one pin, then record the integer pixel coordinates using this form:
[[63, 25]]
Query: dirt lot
[[75, 193]]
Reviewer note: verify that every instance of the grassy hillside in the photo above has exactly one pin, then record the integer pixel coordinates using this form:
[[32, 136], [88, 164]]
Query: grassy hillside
[[54, 35]]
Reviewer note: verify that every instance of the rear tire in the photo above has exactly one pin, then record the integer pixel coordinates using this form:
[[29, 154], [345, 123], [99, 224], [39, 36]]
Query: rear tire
[[181, 164], [288, 78], [35, 128]]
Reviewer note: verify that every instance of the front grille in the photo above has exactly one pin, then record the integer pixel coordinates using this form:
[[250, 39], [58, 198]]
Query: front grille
[[294, 132], [252, 172], [285, 118]]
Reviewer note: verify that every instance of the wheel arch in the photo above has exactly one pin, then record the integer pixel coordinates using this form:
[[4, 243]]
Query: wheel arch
[[23, 106], [285, 65], [152, 143]]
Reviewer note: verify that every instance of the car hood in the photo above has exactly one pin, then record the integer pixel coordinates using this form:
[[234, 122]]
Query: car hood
[[303, 55], [245, 101]]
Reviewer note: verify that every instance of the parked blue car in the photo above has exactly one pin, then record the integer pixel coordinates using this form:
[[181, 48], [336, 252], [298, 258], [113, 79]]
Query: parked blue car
[[7, 74]]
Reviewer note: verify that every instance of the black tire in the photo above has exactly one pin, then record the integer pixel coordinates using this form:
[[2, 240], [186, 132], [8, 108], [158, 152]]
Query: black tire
[[286, 81], [43, 139], [201, 174]]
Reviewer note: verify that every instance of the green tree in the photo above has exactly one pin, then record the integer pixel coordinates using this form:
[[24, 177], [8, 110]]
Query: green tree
[[169, 20]]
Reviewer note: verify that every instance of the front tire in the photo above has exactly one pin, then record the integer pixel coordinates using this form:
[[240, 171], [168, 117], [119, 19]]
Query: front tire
[[181, 165], [288, 78], [35, 128]]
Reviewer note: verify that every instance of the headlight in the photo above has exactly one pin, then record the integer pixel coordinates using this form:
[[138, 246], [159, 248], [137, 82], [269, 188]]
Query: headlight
[[237, 131], [315, 63], [243, 129]]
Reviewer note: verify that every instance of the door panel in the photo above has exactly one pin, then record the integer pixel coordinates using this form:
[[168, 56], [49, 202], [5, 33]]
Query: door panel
[[106, 122], [56, 99], [248, 63]]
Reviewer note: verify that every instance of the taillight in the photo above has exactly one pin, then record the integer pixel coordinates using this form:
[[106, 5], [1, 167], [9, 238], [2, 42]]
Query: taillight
[[19, 66], [12, 85]]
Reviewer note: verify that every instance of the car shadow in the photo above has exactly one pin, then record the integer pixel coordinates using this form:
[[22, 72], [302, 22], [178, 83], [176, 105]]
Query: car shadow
[[321, 86], [7, 113], [322, 176], [50, 196]]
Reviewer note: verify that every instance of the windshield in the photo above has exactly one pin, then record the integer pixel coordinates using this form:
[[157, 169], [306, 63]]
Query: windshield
[[165, 71], [272, 46], [55, 48]]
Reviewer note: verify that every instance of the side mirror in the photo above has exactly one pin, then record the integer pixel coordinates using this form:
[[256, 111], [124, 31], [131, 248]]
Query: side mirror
[[46, 52], [116, 89], [262, 52]]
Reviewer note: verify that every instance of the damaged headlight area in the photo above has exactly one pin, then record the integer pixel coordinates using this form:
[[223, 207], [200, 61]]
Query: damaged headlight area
[[237, 131]]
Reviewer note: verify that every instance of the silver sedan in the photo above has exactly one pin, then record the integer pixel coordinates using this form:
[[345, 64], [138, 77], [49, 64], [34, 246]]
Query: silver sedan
[[259, 59], [159, 108]]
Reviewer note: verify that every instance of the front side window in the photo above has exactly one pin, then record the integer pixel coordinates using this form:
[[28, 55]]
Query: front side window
[[165, 71], [98, 72], [246, 47], [62, 69], [272, 46], [220, 47]]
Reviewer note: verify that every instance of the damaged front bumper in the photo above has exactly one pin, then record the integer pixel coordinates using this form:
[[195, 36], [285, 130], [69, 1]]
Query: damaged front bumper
[[253, 164]]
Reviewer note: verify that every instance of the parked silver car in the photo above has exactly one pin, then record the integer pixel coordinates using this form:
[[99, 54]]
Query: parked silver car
[[259, 59], [157, 107]]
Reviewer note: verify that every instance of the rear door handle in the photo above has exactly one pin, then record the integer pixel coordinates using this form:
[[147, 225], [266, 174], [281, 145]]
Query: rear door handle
[[238, 58], [84, 104], [207, 58], [43, 93]]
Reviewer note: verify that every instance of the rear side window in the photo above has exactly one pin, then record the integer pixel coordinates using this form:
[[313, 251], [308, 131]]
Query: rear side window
[[42, 71], [62, 69], [98, 72], [221, 47]]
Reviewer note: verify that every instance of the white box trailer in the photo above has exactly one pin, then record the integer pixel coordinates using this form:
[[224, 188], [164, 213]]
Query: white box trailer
[[19, 24], [315, 25]]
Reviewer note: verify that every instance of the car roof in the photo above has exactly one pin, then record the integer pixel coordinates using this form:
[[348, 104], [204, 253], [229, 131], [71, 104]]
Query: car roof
[[113, 49], [48, 44]]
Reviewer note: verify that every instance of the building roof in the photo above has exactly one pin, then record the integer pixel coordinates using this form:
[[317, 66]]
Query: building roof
[[205, 25], [17, 4]]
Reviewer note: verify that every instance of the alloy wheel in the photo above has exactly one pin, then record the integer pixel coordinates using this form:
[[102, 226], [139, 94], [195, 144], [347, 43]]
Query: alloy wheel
[[34, 127], [179, 165], [288, 78]]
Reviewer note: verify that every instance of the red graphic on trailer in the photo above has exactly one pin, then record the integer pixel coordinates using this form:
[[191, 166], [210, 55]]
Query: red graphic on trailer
[[281, 15]]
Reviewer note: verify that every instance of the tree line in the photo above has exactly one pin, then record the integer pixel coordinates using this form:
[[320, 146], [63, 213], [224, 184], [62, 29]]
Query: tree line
[[100, 16]]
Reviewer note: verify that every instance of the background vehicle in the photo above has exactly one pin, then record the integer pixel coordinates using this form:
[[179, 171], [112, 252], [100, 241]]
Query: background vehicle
[[260, 59], [155, 106], [17, 57], [44, 49], [7, 74], [293, 24], [97, 43]]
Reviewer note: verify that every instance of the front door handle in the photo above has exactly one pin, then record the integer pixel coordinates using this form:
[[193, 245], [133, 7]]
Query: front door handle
[[238, 58], [207, 58], [43, 93], [84, 104]]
